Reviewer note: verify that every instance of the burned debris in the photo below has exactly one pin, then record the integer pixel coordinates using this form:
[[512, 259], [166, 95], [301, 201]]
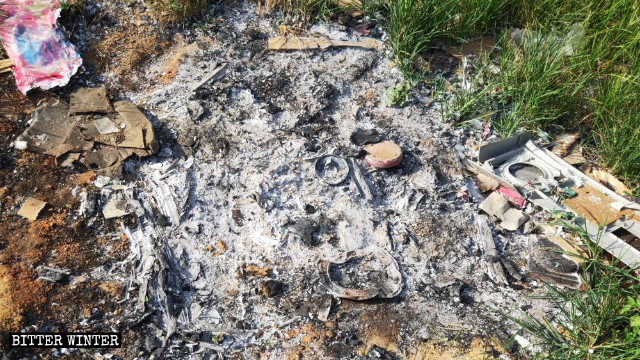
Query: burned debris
[[362, 276], [529, 185], [291, 212], [90, 131], [298, 43]]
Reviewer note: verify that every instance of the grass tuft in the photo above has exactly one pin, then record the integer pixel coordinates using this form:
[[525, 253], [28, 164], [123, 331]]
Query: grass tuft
[[178, 10], [304, 11], [572, 66], [616, 126], [601, 321], [536, 84]]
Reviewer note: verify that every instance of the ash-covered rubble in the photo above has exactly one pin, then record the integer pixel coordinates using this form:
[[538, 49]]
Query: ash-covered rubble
[[234, 186]]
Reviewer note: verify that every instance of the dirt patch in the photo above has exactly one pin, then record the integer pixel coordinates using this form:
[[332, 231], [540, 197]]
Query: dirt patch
[[57, 239], [125, 43], [177, 54], [477, 350], [311, 339], [382, 330], [21, 296]]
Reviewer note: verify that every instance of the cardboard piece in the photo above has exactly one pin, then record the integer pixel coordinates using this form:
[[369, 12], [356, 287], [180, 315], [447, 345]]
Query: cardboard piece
[[50, 129], [89, 100], [5, 65], [132, 117], [31, 208], [102, 144]]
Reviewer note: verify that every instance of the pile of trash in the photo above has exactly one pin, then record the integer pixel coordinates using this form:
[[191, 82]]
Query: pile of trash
[[91, 131], [529, 186]]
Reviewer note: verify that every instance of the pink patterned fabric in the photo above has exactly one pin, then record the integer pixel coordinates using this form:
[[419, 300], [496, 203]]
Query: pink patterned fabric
[[40, 54]]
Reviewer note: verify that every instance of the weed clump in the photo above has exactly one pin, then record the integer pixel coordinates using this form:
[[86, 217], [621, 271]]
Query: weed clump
[[178, 10], [303, 11], [600, 321]]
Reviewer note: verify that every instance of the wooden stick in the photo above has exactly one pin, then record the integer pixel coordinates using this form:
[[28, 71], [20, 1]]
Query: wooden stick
[[220, 70]]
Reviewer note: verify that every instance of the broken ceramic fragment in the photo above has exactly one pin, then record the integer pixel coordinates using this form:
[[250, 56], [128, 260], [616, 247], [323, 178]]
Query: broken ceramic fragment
[[383, 155]]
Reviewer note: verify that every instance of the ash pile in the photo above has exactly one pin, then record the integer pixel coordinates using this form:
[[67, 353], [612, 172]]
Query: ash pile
[[290, 209]]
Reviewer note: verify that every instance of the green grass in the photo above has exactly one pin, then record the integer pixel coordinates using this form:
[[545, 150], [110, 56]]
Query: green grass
[[601, 321], [299, 12], [537, 86], [616, 125], [592, 88], [399, 95], [576, 68], [72, 7], [414, 26]]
